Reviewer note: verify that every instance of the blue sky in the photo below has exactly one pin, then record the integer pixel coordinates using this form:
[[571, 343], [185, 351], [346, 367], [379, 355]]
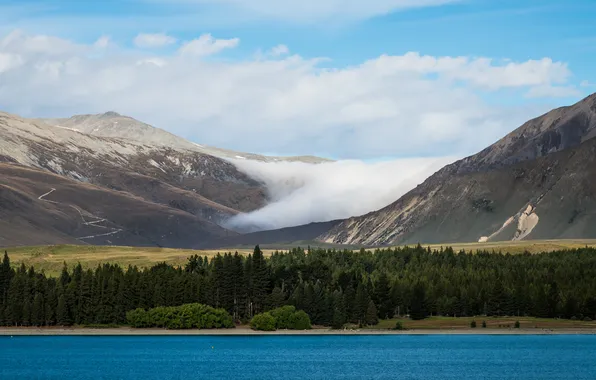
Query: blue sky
[[348, 34]]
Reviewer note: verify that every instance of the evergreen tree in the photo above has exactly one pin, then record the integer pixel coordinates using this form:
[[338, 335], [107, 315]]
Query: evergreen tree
[[37, 312], [5, 278], [361, 304], [339, 310], [383, 297], [371, 314], [276, 298], [418, 304], [62, 313], [260, 280]]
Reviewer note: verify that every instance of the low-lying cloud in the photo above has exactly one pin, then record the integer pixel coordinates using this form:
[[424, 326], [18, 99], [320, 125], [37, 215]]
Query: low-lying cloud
[[302, 193]]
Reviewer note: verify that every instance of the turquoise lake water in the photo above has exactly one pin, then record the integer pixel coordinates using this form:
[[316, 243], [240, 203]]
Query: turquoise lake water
[[302, 357]]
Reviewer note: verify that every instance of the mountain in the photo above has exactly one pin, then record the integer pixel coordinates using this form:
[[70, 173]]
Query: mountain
[[38, 207], [536, 182], [112, 124], [154, 186]]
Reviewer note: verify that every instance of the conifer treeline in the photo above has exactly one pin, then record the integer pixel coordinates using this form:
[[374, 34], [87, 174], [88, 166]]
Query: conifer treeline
[[333, 287]]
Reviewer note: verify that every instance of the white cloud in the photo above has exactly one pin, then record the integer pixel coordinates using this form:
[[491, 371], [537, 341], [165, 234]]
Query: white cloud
[[102, 42], [388, 106], [279, 50], [9, 61], [145, 40], [482, 72], [586, 83], [303, 193], [207, 45]]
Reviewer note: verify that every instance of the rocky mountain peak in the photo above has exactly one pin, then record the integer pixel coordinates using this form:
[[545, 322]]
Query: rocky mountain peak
[[110, 114]]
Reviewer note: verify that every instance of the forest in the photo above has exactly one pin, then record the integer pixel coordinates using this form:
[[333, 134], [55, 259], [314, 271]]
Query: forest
[[333, 287]]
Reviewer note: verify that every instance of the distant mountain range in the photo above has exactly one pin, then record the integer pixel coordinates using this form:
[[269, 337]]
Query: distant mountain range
[[109, 179]]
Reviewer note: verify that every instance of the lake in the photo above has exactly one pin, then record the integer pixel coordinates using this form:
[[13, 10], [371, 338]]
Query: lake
[[299, 357]]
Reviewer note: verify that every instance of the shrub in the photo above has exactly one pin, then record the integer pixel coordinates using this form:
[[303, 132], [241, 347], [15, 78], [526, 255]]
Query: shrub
[[473, 324], [517, 325], [300, 321], [263, 322], [573, 318], [283, 316], [398, 326], [484, 324], [588, 319], [189, 316]]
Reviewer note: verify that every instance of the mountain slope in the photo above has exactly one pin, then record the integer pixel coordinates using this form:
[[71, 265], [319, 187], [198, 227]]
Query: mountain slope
[[112, 124], [536, 182], [208, 184], [167, 181], [38, 207]]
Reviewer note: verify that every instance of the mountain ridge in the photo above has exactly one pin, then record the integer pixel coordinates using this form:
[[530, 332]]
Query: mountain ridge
[[459, 191], [113, 124]]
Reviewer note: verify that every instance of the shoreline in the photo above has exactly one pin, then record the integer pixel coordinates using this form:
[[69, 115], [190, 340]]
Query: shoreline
[[126, 331]]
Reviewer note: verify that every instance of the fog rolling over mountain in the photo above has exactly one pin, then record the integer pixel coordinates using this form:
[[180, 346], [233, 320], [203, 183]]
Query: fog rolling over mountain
[[301, 193], [539, 181]]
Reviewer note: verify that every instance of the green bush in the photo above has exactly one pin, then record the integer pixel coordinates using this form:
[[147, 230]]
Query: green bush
[[483, 324], [285, 317], [517, 325], [398, 326], [189, 316], [263, 322], [473, 324], [300, 321]]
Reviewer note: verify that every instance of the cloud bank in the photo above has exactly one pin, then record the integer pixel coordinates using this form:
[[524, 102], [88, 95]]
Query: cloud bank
[[280, 103], [303, 193]]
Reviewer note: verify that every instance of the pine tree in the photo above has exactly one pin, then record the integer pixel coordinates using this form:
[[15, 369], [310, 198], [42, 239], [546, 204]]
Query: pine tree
[[37, 311], [339, 310], [62, 314], [497, 299], [418, 303], [349, 304], [361, 304], [371, 314], [5, 277], [51, 303], [260, 280], [383, 297], [276, 298]]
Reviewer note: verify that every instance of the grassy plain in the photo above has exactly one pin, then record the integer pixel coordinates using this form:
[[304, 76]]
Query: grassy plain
[[516, 247], [463, 323], [51, 258]]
